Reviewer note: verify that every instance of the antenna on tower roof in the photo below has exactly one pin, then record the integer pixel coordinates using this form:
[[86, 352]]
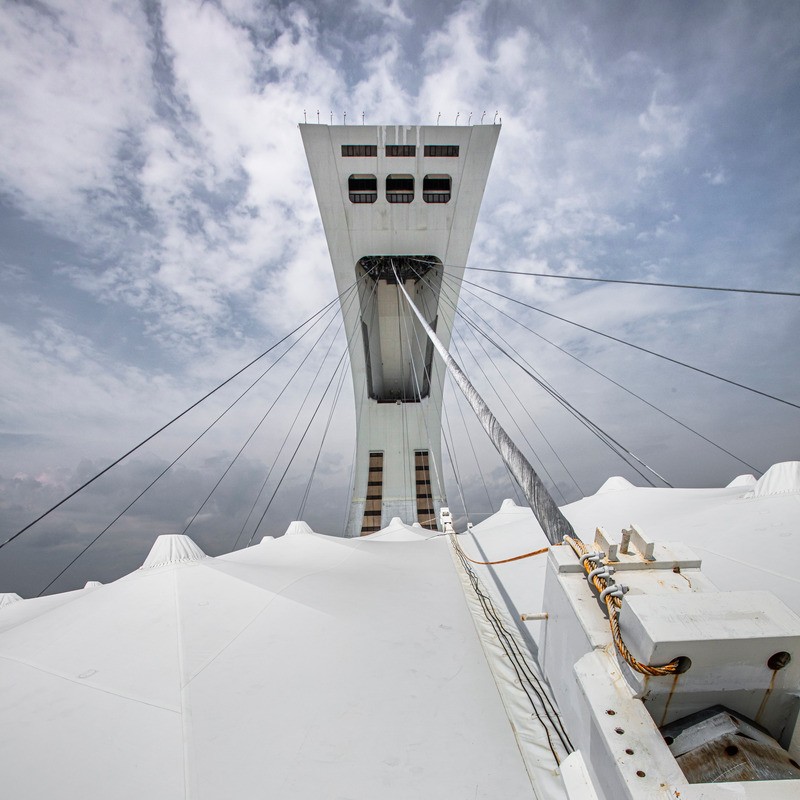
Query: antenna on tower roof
[[457, 116], [494, 121], [344, 118], [304, 116], [437, 117], [362, 117], [482, 116], [469, 119]]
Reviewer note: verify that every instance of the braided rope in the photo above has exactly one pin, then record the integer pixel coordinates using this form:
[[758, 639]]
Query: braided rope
[[505, 560], [614, 604]]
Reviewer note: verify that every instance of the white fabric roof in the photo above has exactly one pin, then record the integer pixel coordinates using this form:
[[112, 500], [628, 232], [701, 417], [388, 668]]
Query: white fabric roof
[[312, 666], [748, 537], [307, 666]]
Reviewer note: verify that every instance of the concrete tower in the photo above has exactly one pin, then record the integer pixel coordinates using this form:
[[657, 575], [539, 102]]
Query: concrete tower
[[398, 200]]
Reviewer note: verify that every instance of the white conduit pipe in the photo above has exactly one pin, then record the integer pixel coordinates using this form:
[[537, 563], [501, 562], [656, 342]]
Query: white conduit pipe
[[554, 524]]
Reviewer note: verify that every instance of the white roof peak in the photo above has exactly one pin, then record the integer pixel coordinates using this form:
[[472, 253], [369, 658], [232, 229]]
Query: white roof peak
[[298, 528], [782, 478], [616, 483], [7, 598], [172, 548], [743, 480]]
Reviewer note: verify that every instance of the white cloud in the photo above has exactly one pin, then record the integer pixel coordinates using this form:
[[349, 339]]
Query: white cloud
[[74, 81], [717, 177], [165, 147]]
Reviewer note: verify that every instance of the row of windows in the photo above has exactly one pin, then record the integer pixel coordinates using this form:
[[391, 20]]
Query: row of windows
[[399, 188], [400, 150]]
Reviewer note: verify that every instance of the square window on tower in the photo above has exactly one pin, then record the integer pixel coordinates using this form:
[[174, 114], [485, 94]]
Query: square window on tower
[[436, 188], [362, 188], [399, 188]]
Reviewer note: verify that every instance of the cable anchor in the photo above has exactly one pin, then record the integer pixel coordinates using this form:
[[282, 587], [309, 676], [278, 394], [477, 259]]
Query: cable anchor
[[614, 590]]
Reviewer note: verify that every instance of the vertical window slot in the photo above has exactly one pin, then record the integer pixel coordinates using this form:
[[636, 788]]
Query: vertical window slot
[[374, 497], [426, 514]]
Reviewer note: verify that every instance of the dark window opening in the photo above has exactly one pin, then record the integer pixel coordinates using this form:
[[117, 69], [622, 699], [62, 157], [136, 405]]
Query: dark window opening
[[436, 188], [401, 150], [362, 188], [441, 150], [426, 515], [359, 150], [368, 357], [374, 499], [399, 188], [426, 378]]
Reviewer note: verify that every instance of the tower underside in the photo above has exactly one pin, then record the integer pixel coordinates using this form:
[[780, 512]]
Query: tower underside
[[398, 204]]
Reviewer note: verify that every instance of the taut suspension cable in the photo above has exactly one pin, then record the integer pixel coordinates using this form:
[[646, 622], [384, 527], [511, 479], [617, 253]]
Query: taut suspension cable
[[553, 522]]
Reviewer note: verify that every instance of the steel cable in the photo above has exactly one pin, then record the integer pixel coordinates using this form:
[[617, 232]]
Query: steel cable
[[171, 422], [610, 380], [708, 373]]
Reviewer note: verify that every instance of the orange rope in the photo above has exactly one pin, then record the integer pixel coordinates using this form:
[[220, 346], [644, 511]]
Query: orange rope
[[505, 560], [614, 604]]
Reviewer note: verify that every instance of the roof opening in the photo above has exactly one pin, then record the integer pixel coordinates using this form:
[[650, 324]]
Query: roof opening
[[436, 188], [362, 188], [399, 188]]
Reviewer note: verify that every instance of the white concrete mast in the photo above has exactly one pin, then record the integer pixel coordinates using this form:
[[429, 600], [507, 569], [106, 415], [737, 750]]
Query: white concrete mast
[[404, 198]]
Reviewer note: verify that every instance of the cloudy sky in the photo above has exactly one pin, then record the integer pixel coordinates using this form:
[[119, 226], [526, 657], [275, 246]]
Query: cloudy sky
[[158, 230]]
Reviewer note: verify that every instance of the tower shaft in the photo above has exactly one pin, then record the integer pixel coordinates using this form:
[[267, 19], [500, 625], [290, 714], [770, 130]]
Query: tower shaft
[[398, 201]]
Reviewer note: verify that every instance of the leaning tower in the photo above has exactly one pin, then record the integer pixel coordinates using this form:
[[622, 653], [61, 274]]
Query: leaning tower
[[398, 203]]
